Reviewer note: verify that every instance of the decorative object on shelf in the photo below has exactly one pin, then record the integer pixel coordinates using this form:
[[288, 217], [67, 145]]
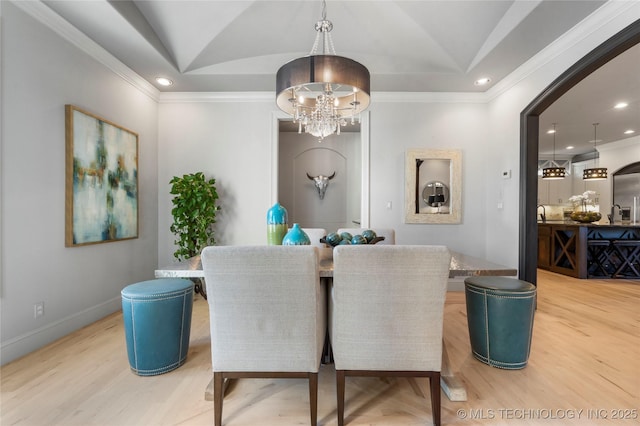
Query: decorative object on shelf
[[194, 213], [101, 180], [296, 237], [555, 172], [276, 224], [334, 239], [596, 173], [321, 183], [435, 194], [321, 91], [586, 217], [581, 205]]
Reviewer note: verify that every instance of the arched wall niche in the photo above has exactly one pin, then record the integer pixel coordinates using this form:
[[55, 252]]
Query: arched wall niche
[[529, 131]]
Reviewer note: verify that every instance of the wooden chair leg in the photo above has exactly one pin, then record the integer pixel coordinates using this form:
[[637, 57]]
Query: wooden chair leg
[[218, 396], [313, 398], [434, 381], [340, 394]]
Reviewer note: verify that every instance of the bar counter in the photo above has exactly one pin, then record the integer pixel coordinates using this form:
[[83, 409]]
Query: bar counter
[[590, 250]]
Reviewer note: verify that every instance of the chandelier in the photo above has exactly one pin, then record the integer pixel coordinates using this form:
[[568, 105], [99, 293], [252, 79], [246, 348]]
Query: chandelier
[[322, 91], [555, 172], [596, 173]]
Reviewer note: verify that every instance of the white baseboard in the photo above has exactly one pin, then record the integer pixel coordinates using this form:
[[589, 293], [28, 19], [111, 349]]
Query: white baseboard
[[29, 342]]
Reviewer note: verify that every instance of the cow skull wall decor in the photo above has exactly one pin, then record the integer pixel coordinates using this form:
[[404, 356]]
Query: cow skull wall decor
[[321, 182]]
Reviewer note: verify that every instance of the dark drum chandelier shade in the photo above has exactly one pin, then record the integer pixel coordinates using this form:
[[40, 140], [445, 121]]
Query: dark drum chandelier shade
[[554, 173], [321, 91], [596, 173]]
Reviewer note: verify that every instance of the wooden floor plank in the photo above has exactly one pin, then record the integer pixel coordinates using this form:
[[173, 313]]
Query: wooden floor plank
[[584, 363]]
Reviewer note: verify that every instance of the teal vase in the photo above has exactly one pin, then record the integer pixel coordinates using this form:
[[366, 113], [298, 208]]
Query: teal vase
[[276, 224], [296, 237]]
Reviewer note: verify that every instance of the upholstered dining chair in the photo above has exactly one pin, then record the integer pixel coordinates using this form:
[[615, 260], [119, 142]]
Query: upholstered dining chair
[[386, 314], [388, 234], [267, 315]]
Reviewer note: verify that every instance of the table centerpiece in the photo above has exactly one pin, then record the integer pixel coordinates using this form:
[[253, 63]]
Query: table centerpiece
[[581, 205]]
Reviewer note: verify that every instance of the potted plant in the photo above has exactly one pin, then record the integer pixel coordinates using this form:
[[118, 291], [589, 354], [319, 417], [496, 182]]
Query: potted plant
[[194, 213]]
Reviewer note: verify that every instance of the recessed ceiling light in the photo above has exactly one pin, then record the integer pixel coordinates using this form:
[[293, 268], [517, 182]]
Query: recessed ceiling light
[[164, 81], [569, 147], [482, 81], [621, 105], [629, 132]]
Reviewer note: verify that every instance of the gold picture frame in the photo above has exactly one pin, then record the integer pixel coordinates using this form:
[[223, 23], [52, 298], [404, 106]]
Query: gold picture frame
[[101, 182]]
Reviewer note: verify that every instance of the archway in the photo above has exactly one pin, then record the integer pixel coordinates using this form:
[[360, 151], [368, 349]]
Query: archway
[[529, 121]]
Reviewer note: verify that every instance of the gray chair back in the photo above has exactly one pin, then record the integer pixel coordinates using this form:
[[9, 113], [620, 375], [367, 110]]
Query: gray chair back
[[267, 314]]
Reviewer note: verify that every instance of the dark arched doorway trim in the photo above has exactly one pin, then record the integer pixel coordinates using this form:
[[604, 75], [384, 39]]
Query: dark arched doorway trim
[[529, 121]]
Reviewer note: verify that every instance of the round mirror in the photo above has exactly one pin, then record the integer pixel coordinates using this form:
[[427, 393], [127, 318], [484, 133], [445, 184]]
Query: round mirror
[[435, 193]]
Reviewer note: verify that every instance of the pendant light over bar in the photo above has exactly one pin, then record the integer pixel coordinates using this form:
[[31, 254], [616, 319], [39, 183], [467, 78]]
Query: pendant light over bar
[[321, 91], [554, 173], [596, 173]]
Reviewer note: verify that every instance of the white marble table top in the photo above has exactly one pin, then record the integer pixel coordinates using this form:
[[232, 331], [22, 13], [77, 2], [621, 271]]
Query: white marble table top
[[461, 266]]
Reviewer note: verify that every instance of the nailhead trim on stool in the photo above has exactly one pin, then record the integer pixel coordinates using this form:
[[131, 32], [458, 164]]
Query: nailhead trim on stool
[[157, 324], [500, 314]]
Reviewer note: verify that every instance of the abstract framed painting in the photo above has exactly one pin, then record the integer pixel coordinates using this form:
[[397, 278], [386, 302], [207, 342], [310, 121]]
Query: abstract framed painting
[[101, 182]]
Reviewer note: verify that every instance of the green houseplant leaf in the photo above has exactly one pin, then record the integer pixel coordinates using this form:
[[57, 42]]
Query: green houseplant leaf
[[194, 213]]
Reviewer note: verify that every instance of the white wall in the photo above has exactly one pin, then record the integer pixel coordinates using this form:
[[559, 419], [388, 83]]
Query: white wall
[[615, 156], [41, 73], [398, 124], [511, 97], [206, 135], [231, 136], [302, 153], [230, 139]]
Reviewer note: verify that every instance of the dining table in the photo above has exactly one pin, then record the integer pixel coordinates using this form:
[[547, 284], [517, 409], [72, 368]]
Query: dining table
[[461, 266]]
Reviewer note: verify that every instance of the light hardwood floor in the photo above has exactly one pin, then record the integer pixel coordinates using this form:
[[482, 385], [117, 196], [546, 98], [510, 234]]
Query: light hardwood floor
[[584, 365]]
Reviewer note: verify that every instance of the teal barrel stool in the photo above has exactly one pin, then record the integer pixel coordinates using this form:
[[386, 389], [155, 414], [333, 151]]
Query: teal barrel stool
[[157, 324], [500, 314]]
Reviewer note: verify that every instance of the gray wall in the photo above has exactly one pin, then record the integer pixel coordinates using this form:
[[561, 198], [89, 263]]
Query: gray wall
[[230, 138], [41, 73], [302, 153]]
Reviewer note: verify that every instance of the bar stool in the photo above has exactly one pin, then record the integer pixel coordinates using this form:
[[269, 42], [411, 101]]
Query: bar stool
[[157, 323], [599, 263], [500, 318], [628, 251]]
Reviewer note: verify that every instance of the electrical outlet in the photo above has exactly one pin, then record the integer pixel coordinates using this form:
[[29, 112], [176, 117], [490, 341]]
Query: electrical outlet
[[38, 310]]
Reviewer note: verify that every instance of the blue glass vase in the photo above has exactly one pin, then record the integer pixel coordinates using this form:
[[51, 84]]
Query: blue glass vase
[[276, 224], [296, 237]]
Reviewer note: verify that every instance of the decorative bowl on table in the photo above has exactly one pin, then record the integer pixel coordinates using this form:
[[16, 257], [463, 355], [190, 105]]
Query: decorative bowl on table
[[334, 239], [586, 217]]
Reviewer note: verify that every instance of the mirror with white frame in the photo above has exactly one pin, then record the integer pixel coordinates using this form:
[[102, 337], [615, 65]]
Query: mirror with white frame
[[433, 186]]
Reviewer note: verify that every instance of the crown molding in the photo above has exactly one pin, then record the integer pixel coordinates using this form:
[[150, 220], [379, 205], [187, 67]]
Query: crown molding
[[430, 97], [46, 16], [620, 144], [593, 25], [378, 97], [195, 97]]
